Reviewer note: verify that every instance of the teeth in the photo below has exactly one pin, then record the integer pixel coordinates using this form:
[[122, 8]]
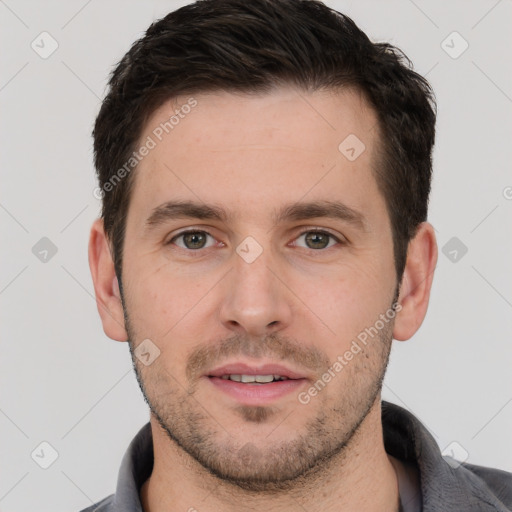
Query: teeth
[[262, 379]]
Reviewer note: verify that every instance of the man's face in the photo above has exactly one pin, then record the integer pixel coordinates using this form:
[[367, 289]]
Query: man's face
[[267, 281]]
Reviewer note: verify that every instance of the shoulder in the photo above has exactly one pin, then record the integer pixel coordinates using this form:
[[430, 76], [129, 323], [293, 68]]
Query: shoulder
[[498, 481], [105, 505]]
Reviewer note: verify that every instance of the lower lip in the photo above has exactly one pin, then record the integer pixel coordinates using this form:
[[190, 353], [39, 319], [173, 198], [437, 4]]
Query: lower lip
[[257, 394]]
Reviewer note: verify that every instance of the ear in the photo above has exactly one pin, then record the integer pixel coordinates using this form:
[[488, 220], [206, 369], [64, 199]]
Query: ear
[[106, 286], [416, 282]]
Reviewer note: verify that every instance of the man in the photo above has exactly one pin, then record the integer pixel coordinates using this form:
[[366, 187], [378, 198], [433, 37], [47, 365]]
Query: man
[[265, 171]]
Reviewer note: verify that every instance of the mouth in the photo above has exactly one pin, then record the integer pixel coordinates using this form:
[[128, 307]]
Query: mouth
[[256, 385], [254, 379]]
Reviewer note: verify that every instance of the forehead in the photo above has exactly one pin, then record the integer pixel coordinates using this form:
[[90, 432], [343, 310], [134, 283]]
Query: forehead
[[316, 120], [244, 149]]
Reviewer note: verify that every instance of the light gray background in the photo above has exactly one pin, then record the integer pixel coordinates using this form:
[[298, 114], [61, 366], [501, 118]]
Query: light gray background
[[64, 382]]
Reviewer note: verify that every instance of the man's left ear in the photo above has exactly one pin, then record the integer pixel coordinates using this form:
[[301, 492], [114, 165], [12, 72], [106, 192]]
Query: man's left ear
[[416, 282]]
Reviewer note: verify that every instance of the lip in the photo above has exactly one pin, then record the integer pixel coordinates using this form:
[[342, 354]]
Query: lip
[[256, 394]]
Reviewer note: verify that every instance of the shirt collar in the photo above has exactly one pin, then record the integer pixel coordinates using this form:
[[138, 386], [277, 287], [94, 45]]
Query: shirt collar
[[136, 468], [444, 486]]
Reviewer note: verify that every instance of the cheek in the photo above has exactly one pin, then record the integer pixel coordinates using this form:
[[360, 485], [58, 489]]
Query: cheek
[[151, 304], [166, 303], [346, 302]]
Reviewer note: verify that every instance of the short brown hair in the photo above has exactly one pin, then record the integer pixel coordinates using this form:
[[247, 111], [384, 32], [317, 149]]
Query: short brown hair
[[236, 45]]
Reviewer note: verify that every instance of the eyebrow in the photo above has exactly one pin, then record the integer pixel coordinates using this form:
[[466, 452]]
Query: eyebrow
[[172, 210]]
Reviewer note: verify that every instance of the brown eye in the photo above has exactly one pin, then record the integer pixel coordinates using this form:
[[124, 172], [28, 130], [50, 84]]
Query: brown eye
[[192, 240], [317, 239]]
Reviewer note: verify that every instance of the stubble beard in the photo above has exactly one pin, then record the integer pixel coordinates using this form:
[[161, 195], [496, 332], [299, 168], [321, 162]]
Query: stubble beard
[[274, 467]]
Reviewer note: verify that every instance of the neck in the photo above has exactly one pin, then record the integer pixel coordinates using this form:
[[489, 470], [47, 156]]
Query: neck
[[361, 477]]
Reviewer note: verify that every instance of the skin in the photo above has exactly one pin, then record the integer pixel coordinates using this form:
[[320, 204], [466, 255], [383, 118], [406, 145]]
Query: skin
[[296, 305]]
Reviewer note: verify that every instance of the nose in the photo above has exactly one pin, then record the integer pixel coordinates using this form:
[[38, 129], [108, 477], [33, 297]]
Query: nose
[[255, 302]]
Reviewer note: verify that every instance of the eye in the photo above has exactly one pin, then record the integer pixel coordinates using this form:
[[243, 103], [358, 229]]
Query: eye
[[193, 240], [317, 239]]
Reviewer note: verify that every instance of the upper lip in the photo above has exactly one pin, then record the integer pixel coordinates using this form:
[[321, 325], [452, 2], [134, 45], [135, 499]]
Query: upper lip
[[245, 369]]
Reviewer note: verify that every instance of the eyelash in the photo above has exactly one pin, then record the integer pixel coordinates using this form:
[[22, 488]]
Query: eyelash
[[320, 231]]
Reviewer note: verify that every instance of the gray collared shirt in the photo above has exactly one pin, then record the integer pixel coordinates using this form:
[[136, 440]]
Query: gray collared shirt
[[445, 485]]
